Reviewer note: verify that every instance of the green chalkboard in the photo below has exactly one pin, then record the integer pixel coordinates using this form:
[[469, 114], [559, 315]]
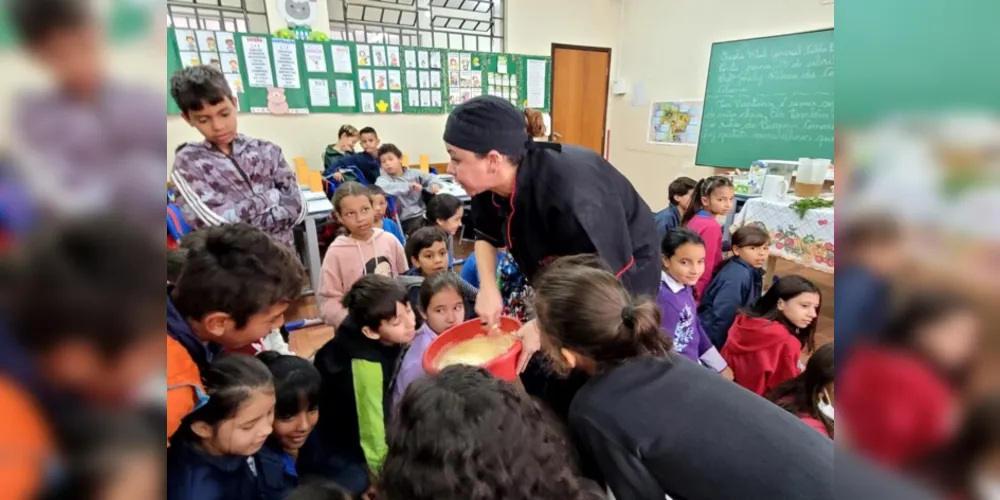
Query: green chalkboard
[[768, 98]]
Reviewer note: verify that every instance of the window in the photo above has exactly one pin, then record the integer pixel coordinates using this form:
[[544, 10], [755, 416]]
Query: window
[[472, 25], [245, 16]]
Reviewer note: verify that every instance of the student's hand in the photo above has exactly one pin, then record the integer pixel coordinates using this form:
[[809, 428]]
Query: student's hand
[[339, 177], [435, 189], [416, 187], [531, 342], [489, 306], [727, 373]]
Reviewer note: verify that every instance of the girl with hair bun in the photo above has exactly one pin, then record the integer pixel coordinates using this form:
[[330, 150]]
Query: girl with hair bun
[[646, 412]]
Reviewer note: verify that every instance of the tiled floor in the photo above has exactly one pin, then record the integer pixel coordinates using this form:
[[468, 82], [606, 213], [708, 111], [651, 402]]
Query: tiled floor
[[306, 341]]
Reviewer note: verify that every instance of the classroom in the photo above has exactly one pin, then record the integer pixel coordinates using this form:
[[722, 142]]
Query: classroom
[[513, 219]]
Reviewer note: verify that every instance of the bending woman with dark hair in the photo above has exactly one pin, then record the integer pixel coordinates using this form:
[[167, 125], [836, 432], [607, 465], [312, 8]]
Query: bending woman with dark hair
[[464, 434], [658, 424]]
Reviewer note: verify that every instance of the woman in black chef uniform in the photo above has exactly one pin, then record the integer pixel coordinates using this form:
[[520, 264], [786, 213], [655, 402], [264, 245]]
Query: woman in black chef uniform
[[542, 201]]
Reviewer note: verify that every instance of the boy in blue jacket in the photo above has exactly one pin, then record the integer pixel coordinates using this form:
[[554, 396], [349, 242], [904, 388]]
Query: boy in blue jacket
[[736, 284], [366, 161], [680, 197]]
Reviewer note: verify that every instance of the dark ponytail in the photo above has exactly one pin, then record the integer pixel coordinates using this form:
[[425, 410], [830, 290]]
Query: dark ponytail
[[588, 311], [704, 189]]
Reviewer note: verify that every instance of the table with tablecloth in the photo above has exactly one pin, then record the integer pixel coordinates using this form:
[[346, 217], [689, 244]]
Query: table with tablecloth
[[807, 240]]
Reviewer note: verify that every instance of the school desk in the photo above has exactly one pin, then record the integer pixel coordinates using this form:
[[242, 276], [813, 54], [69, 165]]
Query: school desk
[[317, 207]]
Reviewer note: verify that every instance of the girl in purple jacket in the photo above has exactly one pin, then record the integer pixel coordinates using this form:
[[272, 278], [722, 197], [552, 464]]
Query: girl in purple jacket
[[683, 256]]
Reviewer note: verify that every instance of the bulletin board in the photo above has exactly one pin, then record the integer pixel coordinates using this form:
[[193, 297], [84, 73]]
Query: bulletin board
[[277, 76]]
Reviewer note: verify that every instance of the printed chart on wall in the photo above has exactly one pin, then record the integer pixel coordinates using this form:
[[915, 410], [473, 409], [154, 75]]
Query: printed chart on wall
[[465, 77], [217, 48], [675, 122], [395, 79]]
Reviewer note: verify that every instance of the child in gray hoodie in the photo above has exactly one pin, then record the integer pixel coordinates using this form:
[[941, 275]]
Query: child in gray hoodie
[[407, 186]]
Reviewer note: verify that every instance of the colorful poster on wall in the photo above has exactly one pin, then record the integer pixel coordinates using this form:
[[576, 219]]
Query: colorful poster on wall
[[675, 122]]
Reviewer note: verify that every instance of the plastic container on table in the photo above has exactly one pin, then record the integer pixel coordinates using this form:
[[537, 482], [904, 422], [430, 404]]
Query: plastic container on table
[[503, 366]]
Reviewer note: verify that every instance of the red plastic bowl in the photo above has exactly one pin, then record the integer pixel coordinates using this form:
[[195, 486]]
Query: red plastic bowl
[[503, 367]]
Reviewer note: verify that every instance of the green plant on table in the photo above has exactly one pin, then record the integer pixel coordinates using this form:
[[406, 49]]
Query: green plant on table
[[806, 204]]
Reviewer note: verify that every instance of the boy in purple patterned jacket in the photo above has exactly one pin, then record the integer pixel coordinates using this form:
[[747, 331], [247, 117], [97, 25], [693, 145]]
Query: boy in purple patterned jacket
[[229, 177]]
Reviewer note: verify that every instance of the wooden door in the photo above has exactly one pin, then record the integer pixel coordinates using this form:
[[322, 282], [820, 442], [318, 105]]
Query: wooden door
[[580, 95]]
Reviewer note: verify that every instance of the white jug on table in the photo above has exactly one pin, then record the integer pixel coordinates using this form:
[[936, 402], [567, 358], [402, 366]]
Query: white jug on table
[[775, 187]]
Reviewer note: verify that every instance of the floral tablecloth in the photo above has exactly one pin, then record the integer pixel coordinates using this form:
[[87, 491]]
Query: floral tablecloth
[[807, 240]]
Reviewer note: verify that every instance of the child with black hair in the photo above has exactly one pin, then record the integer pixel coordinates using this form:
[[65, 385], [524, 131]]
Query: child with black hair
[[683, 263], [442, 305], [870, 255], [358, 368], [810, 395], [655, 423], [899, 394], [367, 161], [968, 468], [364, 250], [428, 253], [445, 212], [465, 434], [712, 198], [680, 191], [380, 203], [327, 490], [229, 177], [347, 138], [215, 453], [737, 283], [235, 287], [296, 410], [766, 341], [407, 186], [110, 455], [82, 318]]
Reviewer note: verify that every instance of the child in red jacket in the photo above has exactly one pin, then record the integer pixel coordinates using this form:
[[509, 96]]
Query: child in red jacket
[[899, 394], [765, 341]]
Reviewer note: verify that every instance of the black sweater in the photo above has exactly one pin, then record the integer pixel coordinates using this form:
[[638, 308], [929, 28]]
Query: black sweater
[[668, 426]]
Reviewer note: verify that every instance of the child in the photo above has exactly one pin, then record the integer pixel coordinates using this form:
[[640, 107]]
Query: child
[[428, 253], [967, 467], [810, 395], [326, 490], [215, 453], [471, 435], [347, 138], [358, 368], [367, 161], [81, 327], [900, 393], [767, 340], [683, 263], [296, 410], [229, 177], [737, 283], [407, 186], [441, 303], [871, 246], [380, 203], [680, 199], [445, 211], [645, 412], [236, 285], [364, 250], [713, 197]]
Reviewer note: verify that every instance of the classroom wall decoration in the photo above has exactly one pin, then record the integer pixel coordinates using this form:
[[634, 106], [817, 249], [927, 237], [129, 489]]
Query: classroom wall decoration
[[275, 75], [674, 122], [769, 97]]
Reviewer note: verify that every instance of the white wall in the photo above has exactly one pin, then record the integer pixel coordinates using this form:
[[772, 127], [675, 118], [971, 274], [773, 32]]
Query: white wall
[[666, 47], [531, 28]]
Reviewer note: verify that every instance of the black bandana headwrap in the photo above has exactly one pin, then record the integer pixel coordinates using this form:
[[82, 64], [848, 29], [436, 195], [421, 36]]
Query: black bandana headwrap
[[485, 124]]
